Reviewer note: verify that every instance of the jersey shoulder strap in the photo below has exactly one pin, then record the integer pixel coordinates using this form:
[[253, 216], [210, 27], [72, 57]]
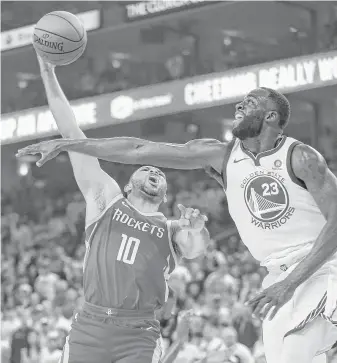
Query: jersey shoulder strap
[[292, 144]]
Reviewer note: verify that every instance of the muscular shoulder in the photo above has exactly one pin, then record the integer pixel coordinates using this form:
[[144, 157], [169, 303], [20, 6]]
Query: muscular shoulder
[[308, 164]]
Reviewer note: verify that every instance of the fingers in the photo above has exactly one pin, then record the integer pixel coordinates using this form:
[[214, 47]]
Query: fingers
[[260, 306], [276, 309], [195, 213], [44, 159], [190, 214], [185, 212], [252, 302], [182, 209], [263, 310], [28, 150]]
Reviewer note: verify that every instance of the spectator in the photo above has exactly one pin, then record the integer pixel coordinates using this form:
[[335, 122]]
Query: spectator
[[45, 282], [51, 353], [20, 338]]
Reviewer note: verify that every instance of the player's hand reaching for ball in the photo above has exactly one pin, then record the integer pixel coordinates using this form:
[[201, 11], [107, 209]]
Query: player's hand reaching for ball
[[47, 149], [191, 219]]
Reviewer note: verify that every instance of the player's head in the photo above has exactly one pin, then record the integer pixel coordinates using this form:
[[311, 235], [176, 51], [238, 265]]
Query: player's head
[[261, 108], [148, 183]]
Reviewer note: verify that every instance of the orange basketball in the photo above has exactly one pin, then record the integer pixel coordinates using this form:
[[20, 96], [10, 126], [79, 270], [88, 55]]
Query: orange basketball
[[60, 38]]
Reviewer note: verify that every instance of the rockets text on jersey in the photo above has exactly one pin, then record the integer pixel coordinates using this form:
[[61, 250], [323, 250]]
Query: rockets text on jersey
[[129, 258], [271, 208]]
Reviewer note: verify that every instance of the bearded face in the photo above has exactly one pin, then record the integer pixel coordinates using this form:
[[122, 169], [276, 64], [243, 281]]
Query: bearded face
[[250, 115], [150, 182], [247, 126]]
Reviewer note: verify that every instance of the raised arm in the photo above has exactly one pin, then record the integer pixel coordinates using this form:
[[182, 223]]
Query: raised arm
[[98, 188]]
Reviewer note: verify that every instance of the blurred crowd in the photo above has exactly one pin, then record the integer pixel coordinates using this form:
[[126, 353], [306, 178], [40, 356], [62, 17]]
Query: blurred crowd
[[41, 276]]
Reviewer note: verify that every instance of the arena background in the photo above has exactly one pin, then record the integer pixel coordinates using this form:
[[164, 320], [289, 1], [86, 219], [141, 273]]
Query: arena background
[[166, 71]]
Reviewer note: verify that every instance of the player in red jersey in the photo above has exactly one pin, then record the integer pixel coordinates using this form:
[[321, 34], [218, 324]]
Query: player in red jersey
[[131, 249]]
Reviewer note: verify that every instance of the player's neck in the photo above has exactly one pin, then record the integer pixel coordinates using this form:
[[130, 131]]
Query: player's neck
[[264, 142], [143, 205]]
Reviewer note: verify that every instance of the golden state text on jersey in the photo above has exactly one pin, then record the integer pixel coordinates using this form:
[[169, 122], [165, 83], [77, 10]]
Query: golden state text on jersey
[[267, 199], [271, 208]]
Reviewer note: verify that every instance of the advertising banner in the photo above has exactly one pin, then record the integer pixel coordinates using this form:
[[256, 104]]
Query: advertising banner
[[286, 76], [20, 37], [148, 9]]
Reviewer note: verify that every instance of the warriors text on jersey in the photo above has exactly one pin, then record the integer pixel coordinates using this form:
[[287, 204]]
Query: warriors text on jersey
[[271, 208], [129, 258]]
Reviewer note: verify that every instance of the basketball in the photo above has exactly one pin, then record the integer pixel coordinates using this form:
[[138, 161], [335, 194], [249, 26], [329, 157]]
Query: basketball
[[60, 38]]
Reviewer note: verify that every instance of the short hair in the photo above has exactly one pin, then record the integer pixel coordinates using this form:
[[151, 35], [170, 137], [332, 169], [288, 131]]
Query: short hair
[[283, 106]]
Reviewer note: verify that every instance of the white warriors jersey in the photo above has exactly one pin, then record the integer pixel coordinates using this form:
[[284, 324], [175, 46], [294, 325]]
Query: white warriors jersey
[[272, 209]]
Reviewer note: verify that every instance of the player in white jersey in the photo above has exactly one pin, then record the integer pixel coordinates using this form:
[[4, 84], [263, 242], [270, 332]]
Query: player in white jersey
[[283, 199]]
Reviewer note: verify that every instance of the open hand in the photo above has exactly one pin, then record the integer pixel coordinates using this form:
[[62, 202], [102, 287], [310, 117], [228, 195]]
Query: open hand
[[275, 296], [191, 219], [47, 149]]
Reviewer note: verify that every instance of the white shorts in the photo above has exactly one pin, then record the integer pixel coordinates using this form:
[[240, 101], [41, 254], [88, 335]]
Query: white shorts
[[316, 298]]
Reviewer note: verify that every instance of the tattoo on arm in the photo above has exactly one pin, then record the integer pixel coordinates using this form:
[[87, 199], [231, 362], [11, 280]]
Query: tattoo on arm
[[99, 199]]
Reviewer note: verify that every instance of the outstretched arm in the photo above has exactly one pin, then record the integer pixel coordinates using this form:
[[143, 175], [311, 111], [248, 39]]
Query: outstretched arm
[[195, 154], [189, 234], [98, 188]]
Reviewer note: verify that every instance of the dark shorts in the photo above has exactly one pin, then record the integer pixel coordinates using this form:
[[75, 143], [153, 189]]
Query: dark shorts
[[102, 335]]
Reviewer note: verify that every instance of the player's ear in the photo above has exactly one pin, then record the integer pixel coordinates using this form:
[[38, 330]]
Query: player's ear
[[272, 118], [165, 198], [127, 188]]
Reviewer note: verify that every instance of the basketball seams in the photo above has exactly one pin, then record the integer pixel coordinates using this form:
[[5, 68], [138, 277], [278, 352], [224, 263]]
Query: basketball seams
[[61, 36], [44, 51], [73, 59], [59, 16]]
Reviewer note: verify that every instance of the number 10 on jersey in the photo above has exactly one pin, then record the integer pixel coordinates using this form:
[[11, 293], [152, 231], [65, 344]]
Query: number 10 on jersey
[[128, 249]]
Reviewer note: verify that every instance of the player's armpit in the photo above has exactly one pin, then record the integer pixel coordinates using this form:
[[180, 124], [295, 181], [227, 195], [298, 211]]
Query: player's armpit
[[310, 167]]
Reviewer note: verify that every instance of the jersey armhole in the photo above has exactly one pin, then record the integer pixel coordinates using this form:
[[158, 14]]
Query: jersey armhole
[[225, 162], [290, 170], [94, 220]]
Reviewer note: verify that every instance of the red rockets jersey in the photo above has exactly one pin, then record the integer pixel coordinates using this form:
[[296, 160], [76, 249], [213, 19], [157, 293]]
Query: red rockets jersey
[[129, 258]]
